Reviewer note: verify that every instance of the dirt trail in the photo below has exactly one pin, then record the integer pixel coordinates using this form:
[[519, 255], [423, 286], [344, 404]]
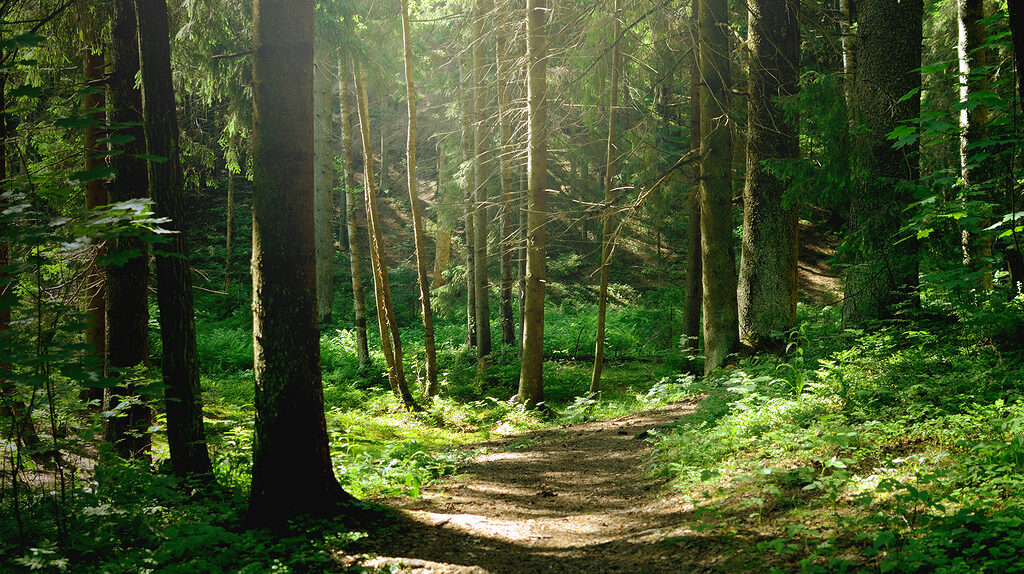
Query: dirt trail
[[570, 499]]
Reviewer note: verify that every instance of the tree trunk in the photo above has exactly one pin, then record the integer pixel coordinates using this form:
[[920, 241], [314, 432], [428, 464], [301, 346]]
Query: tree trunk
[[767, 283], [467, 156], [229, 235], [291, 472], [531, 375], [95, 196], [606, 217], [378, 259], [352, 221], [883, 278], [323, 184], [721, 330], [417, 214], [185, 435], [846, 35], [127, 301], [443, 241], [508, 203], [974, 127], [481, 288], [692, 306]]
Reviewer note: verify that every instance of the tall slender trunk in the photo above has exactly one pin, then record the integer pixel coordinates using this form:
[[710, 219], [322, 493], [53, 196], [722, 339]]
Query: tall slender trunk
[[692, 306], [483, 310], [229, 234], [323, 183], [609, 195], [352, 219], [127, 285], [467, 156], [721, 330], [508, 204], [846, 41], [390, 339], [531, 374], [291, 471], [974, 127], [185, 434], [417, 213], [95, 196], [443, 242], [768, 262]]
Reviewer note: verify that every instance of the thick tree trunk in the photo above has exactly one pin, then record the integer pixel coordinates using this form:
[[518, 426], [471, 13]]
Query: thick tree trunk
[[883, 278], [127, 301], [508, 203], [352, 220], [480, 287], [693, 304], [379, 261], [531, 374], [95, 196], [721, 330], [422, 276], [291, 473], [606, 217], [185, 435], [323, 182], [767, 283]]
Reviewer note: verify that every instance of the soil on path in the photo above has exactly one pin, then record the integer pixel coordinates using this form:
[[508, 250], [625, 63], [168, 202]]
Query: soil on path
[[569, 499]]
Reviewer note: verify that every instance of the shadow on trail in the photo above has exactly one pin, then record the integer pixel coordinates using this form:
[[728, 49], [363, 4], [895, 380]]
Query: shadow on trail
[[572, 499]]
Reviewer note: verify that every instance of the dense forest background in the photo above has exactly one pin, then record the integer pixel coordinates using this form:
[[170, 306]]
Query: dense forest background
[[268, 269]]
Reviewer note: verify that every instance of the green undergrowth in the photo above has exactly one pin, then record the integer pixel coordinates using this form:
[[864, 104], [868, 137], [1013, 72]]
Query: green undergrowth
[[893, 448]]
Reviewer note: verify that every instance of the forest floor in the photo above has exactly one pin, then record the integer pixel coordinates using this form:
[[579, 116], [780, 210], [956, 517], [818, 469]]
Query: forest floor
[[573, 498]]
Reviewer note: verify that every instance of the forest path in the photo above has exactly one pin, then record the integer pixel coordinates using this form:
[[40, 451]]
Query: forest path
[[564, 499]]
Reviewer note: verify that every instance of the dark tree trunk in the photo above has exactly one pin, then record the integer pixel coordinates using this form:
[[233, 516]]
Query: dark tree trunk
[[883, 277], [127, 301], [291, 473], [185, 436], [95, 196]]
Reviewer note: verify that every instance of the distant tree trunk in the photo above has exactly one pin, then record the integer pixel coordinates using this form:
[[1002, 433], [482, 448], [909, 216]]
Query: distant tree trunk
[[508, 204], [694, 285], [606, 217], [127, 301], [467, 156], [483, 309], [185, 435], [379, 260], [323, 182], [884, 274], [973, 125], [229, 236], [352, 220], [721, 330], [531, 375], [443, 242], [767, 283], [1015, 253], [417, 214], [291, 472], [521, 210], [846, 35], [95, 196]]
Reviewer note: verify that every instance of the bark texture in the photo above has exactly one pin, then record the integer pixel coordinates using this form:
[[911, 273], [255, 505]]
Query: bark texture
[[721, 331], [292, 473], [531, 373], [694, 283], [185, 434], [481, 287], [767, 282], [883, 276]]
